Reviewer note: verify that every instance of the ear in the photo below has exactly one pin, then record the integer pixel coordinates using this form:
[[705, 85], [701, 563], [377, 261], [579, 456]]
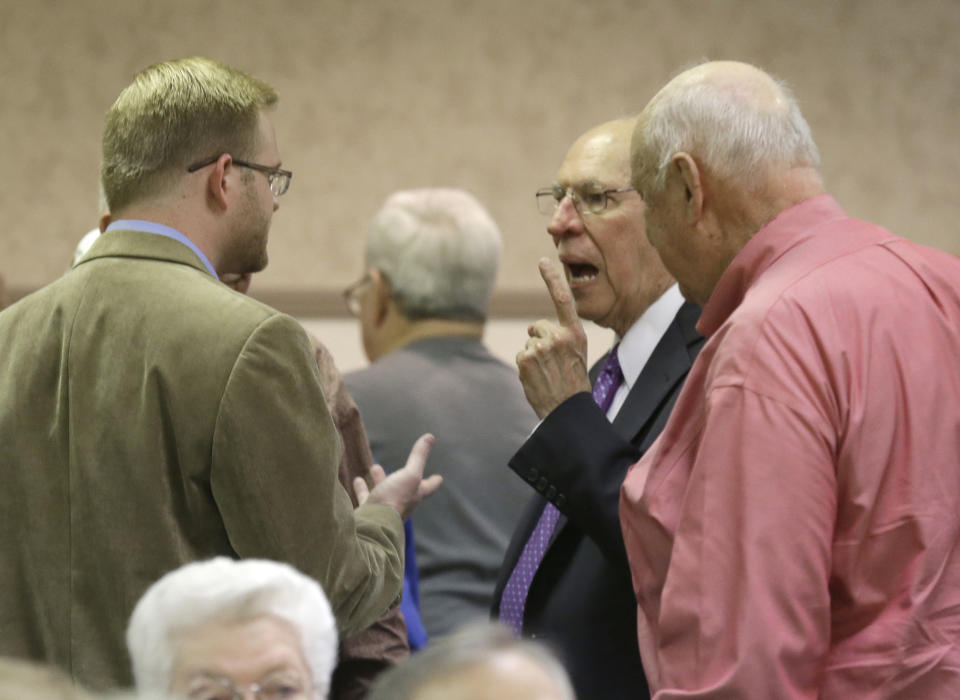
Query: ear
[[217, 185], [690, 178], [382, 302]]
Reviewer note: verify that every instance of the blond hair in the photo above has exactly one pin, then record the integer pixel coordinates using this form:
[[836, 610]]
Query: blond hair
[[173, 114]]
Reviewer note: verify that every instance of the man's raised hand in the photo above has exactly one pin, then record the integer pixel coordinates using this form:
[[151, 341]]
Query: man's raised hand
[[405, 488], [553, 363]]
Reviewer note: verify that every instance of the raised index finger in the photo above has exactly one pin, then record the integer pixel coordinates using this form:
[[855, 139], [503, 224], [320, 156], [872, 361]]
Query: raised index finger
[[560, 293]]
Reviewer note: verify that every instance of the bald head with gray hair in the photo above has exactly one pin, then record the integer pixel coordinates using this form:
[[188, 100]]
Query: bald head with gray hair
[[738, 120], [440, 250], [717, 154], [479, 660]]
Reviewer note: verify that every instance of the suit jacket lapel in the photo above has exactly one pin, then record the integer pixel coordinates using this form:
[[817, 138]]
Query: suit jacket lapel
[[670, 361]]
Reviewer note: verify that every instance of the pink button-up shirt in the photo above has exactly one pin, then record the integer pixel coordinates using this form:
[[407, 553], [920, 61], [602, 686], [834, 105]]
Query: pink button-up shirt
[[795, 531]]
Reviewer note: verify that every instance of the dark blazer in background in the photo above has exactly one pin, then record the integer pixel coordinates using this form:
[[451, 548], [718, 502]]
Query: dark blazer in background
[[581, 599]]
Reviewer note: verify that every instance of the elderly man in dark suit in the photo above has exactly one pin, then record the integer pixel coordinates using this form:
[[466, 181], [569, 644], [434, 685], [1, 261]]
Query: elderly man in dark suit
[[150, 416], [565, 577]]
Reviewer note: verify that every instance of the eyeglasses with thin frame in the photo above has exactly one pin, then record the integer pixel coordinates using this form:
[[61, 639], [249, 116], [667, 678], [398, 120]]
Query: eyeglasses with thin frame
[[351, 295], [278, 178], [586, 200], [275, 688]]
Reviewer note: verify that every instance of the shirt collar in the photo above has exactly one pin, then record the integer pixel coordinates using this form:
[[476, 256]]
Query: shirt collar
[[161, 230], [787, 230], [641, 339]]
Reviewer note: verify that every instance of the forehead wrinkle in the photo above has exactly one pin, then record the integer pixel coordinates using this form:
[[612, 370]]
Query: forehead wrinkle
[[211, 647], [596, 163], [586, 184], [601, 155]]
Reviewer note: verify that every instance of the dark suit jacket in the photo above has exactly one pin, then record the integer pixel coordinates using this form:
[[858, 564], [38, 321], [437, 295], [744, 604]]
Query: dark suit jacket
[[581, 600]]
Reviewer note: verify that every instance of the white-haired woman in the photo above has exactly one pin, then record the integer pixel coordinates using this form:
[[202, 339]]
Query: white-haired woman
[[230, 630]]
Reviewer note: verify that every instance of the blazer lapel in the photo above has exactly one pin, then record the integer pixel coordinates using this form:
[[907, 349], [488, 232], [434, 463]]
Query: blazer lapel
[[669, 363]]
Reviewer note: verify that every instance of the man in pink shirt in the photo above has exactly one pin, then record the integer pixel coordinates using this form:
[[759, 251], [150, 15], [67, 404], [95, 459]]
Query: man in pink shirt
[[794, 531]]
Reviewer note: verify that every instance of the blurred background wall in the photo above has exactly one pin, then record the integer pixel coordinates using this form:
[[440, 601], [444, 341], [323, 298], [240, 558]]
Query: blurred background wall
[[480, 94]]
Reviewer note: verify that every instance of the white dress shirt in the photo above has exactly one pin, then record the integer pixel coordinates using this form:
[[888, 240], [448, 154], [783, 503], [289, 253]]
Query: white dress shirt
[[639, 342]]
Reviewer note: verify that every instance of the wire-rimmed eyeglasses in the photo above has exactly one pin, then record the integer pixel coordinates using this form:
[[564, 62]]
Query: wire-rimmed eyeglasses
[[283, 688], [351, 295], [278, 178], [586, 200]]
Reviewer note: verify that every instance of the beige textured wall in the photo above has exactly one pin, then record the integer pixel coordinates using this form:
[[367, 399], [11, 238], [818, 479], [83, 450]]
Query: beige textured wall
[[483, 94]]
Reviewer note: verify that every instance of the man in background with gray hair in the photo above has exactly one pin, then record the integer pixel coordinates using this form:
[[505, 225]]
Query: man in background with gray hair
[[431, 259], [477, 662]]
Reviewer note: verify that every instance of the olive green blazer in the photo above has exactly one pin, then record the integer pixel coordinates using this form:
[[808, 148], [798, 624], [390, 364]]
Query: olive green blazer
[[150, 416]]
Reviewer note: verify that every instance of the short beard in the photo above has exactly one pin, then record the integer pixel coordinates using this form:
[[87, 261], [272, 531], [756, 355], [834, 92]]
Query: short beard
[[248, 251]]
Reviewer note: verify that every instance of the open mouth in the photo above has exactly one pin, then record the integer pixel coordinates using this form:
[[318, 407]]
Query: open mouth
[[579, 273]]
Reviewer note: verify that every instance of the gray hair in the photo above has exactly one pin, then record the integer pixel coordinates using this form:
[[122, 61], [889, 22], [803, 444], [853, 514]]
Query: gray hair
[[469, 646], [227, 590], [440, 250], [723, 123]]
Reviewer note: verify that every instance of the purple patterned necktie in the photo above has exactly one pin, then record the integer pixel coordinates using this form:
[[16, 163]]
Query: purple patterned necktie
[[514, 596]]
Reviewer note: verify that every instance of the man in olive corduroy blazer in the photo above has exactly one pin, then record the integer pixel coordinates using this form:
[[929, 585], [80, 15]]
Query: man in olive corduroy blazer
[[150, 416]]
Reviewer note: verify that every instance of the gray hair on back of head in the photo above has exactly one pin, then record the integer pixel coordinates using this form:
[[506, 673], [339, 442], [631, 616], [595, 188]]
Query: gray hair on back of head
[[726, 129], [228, 590], [471, 645], [440, 250]]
